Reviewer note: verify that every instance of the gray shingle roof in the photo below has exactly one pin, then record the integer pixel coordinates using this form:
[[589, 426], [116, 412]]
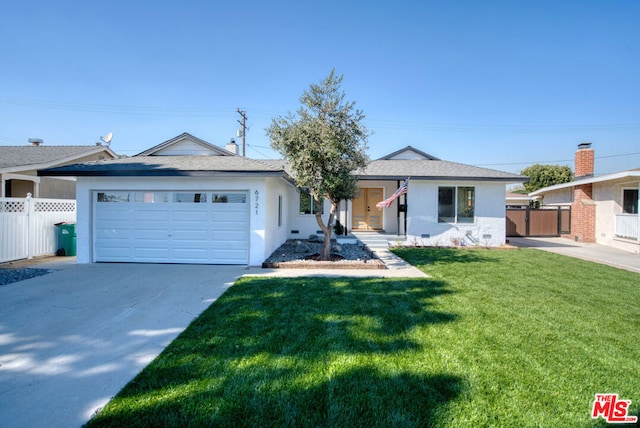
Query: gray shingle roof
[[423, 169], [14, 156], [432, 170], [166, 166]]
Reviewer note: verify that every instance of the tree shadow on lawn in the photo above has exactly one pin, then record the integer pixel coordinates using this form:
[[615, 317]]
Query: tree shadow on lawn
[[305, 352]]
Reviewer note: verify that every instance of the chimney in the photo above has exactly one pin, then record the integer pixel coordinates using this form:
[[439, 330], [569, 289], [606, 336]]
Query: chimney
[[232, 147], [584, 163], [35, 142], [583, 208]]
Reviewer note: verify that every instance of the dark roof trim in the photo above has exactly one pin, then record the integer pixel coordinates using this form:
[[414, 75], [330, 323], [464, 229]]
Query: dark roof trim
[[158, 173], [413, 149], [185, 135]]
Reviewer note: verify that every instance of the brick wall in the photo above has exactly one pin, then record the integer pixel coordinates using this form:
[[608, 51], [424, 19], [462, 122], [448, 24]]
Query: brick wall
[[583, 208], [583, 214]]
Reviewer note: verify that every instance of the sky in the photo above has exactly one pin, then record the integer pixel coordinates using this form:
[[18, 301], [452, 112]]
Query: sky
[[498, 84]]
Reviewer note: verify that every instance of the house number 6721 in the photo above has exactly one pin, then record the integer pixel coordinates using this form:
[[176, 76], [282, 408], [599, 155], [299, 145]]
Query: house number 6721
[[257, 203]]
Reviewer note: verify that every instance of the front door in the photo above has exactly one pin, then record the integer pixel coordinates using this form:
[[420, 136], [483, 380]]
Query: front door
[[365, 215]]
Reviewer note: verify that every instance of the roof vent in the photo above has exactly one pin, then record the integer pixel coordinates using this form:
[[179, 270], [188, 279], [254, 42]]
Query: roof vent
[[35, 141]]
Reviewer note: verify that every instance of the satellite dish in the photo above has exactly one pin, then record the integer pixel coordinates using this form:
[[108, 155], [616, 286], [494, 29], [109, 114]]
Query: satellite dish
[[108, 138]]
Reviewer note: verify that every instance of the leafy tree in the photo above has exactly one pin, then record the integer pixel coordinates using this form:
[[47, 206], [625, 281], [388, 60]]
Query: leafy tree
[[325, 142], [546, 175]]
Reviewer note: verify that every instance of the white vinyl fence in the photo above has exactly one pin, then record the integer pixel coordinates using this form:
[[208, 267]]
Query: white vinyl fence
[[27, 226]]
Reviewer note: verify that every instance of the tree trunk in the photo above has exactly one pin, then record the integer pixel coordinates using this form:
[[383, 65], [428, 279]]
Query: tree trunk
[[325, 254]]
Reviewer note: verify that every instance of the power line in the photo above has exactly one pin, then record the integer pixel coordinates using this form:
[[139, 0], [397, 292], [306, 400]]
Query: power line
[[559, 160]]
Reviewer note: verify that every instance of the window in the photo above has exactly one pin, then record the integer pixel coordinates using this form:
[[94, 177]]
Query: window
[[113, 196], [456, 204], [630, 201], [308, 205], [190, 197], [229, 198], [152, 197], [279, 210]]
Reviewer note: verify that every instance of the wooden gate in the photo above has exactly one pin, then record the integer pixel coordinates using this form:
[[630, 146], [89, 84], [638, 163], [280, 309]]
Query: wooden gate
[[540, 222]]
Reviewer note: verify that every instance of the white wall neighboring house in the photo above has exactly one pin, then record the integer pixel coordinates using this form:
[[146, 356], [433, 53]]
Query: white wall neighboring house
[[610, 205]]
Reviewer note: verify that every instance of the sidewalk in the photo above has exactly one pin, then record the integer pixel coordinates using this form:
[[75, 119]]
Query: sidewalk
[[591, 252]]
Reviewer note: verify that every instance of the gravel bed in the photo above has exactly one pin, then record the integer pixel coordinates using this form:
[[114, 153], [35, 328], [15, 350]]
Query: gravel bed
[[300, 250], [9, 276]]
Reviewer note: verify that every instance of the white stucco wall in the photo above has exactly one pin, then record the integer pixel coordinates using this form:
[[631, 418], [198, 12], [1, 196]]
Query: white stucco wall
[[277, 234], [300, 226], [260, 203], [488, 228], [607, 206], [608, 199], [558, 197]]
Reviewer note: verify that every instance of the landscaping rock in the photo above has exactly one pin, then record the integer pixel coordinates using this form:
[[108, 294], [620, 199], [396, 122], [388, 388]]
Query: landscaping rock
[[316, 239], [352, 256], [302, 248]]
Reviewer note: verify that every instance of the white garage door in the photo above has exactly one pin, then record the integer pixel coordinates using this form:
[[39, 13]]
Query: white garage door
[[209, 227]]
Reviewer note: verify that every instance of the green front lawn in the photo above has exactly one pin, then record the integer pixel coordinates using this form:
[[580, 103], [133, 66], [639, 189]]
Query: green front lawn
[[494, 338]]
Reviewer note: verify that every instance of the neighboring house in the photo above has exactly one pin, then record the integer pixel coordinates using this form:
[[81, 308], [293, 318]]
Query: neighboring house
[[188, 201], [604, 209], [19, 166], [517, 200]]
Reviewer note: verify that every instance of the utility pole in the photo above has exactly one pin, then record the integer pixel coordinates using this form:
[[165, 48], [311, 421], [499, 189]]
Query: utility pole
[[243, 124]]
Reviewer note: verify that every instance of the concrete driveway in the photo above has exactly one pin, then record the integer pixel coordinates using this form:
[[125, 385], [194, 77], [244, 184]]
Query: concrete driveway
[[592, 252], [70, 340]]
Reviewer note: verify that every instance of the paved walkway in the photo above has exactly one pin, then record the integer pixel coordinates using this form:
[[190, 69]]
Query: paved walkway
[[592, 252]]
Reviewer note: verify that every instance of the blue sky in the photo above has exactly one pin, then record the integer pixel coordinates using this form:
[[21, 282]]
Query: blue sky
[[500, 84]]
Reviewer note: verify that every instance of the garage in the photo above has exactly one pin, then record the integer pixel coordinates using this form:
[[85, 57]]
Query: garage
[[205, 227]]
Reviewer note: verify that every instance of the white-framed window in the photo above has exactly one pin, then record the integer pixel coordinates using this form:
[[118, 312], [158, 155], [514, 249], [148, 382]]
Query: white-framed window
[[229, 198], [456, 204], [190, 197], [114, 196], [308, 205], [630, 201]]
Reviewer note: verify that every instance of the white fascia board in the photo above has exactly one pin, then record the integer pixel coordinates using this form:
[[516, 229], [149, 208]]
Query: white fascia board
[[599, 179]]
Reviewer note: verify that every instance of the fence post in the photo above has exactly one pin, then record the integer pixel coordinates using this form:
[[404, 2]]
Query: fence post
[[28, 207]]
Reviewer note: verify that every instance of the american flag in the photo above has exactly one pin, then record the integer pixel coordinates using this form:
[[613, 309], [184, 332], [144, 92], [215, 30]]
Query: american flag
[[401, 191]]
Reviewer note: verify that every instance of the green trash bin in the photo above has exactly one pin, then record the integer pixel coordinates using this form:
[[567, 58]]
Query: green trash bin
[[66, 239]]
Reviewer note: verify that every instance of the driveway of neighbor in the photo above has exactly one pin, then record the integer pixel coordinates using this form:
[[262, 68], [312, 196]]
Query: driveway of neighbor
[[592, 252], [71, 339]]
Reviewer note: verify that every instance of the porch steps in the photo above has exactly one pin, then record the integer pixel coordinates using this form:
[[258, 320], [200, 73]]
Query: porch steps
[[376, 240]]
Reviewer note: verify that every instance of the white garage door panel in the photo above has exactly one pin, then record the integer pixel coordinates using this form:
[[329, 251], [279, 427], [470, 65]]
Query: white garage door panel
[[171, 232]]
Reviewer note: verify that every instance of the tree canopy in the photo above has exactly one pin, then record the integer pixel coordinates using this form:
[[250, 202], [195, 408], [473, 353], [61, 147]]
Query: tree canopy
[[325, 142], [546, 175]]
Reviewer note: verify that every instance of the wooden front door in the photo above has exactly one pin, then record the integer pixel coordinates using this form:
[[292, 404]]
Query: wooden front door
[[365, 215]]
